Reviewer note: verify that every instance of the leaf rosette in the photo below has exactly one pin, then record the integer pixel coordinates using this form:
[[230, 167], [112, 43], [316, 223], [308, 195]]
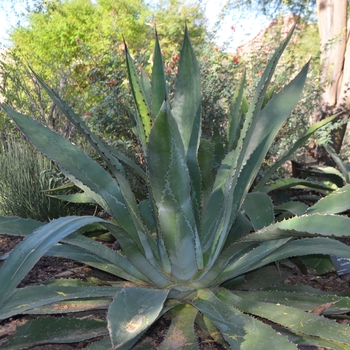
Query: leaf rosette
[[204, 227]]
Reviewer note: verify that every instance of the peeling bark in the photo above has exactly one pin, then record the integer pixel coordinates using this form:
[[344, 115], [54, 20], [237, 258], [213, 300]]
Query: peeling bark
[[334, 29]]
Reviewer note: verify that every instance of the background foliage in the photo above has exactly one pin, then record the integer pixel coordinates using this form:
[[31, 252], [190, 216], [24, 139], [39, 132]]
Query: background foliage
[[25, 174]]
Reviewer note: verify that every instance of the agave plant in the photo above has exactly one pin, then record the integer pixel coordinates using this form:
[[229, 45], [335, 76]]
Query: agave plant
[[189, 250]]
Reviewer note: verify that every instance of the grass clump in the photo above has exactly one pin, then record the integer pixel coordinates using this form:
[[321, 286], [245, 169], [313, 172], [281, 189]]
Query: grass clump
[[25, 175]]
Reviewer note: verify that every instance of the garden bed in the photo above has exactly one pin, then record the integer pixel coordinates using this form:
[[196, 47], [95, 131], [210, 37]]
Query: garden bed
[[49, 268]]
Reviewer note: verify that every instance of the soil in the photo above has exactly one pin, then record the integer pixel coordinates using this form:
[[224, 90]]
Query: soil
[[49, 268]]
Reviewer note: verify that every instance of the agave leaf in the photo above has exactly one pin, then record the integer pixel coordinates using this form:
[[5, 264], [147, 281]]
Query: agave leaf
[[235, 251], [338, 161], [170, 181], [181, 333], [145, 344], [312, 341], [66, 186], [235, 117], [57, 148], [86, 250], [94, 141], [303, 247], [293, 319], [303, 226], [72, 282], [214, 209], [147, 267], [66, 307], [326, 173], [208, 326], [106, 255], [132, 311], [148, 245], [264, 277], [123, 158], [241, 331], [336, 202], [283, 184], [187, 113], [33, 247], [254, 110], [119, 266], [187, 98], [240, 228], [147, 216], [303, 289], [143, 113], [288, 154], [243, 264], [15, 226], [88, 175], [55, 330], [301, 301], [75, 198], [253, 204], [321, 224], [34, 297], [295, 208], [218, 148], [319, 263], [205, 161], [268, 96], [159, 91], [255, 146], [107, 344], [260, 136], [146, 86]]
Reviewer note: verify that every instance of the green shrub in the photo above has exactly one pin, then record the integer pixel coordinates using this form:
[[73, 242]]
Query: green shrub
[[198, 231], [25, 174]]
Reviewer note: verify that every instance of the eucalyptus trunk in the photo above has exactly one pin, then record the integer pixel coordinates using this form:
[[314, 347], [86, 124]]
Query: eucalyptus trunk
[[334, 29]]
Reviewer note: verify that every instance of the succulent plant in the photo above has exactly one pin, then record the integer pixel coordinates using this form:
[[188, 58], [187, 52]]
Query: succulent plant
[[190, 248]]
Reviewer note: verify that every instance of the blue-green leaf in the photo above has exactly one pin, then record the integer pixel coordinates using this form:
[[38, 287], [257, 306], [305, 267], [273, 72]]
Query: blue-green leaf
[[47, 330], [236, 115], [87, 174], [132, 311], [241, 331], [159, 88], [245, 263], [288, 154], [171, 185], [293, 319], [33, 247], [31, 297], [75, 198], [258, 206], [307, 246], [283, 184], [15, 226], [336, 202], [187, 113]]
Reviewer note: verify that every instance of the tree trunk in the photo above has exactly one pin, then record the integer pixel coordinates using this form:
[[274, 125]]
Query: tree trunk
[[335, 59]]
